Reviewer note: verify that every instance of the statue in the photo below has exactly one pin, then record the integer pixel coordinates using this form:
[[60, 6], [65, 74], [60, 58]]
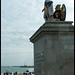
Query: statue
[[48, 10], [58, 15]]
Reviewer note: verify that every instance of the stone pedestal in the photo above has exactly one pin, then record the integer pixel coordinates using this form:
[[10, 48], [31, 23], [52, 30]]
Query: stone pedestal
[[54, 49]]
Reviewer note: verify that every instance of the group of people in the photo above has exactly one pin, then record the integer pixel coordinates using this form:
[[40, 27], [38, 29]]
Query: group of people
[[16, 73]]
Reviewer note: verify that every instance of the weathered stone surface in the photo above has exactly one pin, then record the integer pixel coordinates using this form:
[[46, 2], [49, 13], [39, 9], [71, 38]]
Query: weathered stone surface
[[54, 49]]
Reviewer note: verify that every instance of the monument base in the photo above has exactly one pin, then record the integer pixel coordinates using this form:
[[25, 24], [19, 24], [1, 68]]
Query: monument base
[[54, 49]]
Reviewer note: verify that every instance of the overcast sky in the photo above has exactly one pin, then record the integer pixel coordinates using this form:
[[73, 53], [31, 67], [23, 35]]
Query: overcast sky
[[19, 21]]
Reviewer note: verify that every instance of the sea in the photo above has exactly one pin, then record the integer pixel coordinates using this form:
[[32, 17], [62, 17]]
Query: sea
[[14, 69]]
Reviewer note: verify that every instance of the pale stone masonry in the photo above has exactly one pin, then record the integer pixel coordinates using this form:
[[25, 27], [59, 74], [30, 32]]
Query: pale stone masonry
[[54, 49]]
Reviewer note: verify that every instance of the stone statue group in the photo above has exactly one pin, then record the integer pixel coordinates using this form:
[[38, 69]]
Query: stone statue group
[[58, 15]]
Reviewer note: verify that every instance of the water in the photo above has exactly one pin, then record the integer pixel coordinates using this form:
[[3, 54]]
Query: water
[[14, 69]]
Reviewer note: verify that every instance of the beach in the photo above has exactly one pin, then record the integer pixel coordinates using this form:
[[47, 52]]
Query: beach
[[20, 70], [16, 74]]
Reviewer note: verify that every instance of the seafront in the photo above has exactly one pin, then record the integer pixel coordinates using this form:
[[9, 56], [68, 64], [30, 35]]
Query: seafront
[[21, 73], [13, 74], [16, 69]]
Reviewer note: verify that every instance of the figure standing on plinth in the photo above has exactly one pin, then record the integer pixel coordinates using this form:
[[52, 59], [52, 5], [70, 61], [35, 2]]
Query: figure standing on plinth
[[48, 10]]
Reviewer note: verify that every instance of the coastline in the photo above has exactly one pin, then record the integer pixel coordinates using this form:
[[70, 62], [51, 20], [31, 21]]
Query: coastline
[[19, 73], [20, 69], [24, 66]]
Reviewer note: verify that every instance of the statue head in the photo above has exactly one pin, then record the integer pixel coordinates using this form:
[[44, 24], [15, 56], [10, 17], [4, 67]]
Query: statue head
[[47, 0], [58, 7]]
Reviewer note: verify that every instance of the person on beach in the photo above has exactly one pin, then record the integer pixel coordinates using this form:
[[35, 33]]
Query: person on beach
[[15, 73]]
